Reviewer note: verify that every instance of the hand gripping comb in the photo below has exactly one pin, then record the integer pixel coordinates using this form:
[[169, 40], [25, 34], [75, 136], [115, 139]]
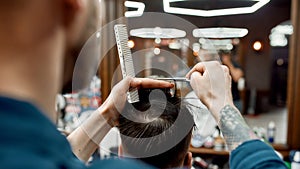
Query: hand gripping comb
[[126, 59]]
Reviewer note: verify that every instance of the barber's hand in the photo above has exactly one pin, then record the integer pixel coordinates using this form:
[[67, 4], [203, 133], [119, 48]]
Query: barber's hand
[[211, 82], [117, 98]]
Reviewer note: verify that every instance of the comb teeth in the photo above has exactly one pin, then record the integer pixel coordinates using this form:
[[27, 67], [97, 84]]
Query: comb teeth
[[126, 59]]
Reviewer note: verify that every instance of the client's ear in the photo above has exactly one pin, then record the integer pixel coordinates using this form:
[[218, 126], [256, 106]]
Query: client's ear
[[188, 160], [120, 151]]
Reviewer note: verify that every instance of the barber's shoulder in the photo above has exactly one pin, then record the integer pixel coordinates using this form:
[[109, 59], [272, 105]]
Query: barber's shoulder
[[120, 163]]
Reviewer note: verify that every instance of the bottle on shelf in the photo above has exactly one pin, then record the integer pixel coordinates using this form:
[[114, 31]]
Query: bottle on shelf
[[295, 160], [271, 132]]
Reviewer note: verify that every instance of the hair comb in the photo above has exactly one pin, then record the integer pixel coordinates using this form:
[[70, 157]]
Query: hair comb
[[126, 59]]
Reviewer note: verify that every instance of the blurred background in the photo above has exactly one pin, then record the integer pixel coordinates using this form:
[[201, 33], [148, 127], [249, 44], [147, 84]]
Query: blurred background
[[257, 34]]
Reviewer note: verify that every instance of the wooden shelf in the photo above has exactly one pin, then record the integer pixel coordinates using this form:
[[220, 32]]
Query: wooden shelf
[[208, 151], [282, 148]]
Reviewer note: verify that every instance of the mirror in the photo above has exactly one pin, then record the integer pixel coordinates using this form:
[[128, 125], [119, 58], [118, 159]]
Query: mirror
[[263, 90]]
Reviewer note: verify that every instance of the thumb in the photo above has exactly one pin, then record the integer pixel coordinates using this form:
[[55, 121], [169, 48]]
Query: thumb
[[196, 75], [135, 82], [195, 78], [123, 85]]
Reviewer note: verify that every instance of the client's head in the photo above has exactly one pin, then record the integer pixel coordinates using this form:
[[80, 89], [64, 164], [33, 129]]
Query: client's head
[[157, 130]]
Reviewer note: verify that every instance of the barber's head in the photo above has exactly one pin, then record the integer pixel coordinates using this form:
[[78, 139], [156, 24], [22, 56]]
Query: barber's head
[[59, 28], [148, 127], [85, 25], [37, 38]]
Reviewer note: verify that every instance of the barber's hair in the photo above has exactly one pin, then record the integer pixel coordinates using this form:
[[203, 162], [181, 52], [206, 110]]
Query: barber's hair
[[149, 127]]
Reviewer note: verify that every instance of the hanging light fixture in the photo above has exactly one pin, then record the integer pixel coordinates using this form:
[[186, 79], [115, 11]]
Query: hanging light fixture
[[213, 12]]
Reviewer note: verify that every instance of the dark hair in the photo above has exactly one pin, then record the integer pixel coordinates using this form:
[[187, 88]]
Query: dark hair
[[148, 127]]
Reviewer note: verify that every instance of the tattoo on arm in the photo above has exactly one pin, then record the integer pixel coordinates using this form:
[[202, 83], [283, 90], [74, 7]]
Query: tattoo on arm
[[234, 128]]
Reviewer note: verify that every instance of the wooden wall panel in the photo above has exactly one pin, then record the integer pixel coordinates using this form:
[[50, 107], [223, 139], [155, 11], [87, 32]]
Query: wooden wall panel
[[294, 81], [113, 9]]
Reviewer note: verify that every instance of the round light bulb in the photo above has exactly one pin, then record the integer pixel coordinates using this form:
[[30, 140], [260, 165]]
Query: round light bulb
[[157, 40], [130, 44], [156, 51], [257, 45]]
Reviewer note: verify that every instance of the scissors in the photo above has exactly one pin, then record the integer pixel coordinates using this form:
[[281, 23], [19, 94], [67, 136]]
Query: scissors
[[183, 79]]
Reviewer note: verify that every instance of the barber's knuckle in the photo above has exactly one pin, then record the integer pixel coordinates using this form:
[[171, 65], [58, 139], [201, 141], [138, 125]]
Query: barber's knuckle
[[199, 65], [215, 63], [225, 68], [229, 77]]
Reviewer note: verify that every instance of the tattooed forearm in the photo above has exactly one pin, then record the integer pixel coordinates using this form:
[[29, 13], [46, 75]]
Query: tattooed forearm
[[234, 128]]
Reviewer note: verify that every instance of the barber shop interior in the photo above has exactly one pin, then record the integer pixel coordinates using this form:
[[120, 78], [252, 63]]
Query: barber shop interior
[[198, 84], [168, 37]]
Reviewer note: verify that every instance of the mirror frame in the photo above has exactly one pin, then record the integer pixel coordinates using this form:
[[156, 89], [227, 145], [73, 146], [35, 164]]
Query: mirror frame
[[293, 102]]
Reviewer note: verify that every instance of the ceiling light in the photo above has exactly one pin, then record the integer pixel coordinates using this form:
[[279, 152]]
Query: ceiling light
[[176, 0], [98, 35], [130, 44], [229, 46], [278, 36], [156, 51], [214, 12], [157, 31], [235, 41], [283, 29], [132, 4], [217, 47], [217, 41], [202, 40], [220, 32], [196, 47], [278, 40], [280, 62], [168, 33], [157, 40], [257, 45], [175, 45], [216, 44]]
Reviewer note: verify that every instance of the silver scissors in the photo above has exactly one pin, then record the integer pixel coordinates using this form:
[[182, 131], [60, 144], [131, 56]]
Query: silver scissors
[[175, 79]]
